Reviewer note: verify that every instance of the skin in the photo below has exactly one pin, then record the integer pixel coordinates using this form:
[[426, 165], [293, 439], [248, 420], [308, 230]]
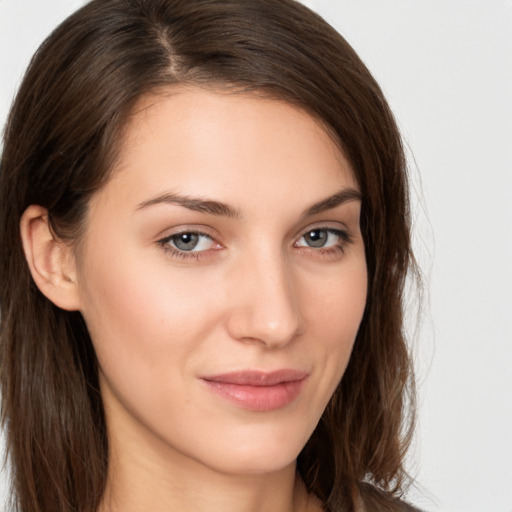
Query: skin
[[253, 294]]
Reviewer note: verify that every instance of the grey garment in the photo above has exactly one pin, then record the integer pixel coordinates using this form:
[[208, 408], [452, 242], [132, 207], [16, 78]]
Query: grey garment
[[395, 506], [374, 502], [408, 508]]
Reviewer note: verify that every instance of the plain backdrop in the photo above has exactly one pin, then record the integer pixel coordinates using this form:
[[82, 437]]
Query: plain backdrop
[[446, 69]]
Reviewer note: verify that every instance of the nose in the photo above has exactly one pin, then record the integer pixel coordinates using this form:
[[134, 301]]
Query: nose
[[265, 306]]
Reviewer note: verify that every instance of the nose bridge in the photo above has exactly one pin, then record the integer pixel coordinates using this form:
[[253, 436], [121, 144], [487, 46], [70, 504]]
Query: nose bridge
[[267, 309]]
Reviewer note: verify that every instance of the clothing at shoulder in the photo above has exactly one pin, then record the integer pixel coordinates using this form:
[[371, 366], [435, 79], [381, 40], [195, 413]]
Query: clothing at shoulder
[[408, 508], [376, 500], [395, 506]]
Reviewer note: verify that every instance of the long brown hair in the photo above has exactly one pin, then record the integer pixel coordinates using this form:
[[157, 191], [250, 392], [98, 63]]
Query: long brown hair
[[60, 143]]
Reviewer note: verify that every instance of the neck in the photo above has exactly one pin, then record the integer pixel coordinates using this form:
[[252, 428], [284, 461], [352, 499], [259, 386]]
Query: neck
[[136, 484]]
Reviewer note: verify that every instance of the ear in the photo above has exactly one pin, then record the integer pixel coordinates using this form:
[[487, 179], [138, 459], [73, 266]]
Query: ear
[[51, 261]]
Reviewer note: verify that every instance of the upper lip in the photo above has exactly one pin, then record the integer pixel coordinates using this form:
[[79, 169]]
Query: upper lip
[[258, 378]]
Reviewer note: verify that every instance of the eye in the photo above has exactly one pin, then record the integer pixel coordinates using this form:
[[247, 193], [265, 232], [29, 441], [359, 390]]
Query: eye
[[188, 242], [324, 238]]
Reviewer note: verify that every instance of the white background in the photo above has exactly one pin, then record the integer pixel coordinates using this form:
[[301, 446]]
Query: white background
[[446, 69]]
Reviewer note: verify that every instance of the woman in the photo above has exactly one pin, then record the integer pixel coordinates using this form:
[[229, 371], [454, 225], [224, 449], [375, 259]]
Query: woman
[[204, 242]]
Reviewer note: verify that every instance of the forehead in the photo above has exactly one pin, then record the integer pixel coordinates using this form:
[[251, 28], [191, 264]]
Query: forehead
[[227, 145]]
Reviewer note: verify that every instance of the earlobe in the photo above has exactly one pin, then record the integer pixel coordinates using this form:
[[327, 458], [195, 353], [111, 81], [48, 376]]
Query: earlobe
[[51, 261]]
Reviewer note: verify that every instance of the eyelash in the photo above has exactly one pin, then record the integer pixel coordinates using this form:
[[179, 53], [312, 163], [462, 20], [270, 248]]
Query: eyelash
[[344, 236]]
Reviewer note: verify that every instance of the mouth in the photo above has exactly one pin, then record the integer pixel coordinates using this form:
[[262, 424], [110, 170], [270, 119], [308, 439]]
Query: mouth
[[258, 391]]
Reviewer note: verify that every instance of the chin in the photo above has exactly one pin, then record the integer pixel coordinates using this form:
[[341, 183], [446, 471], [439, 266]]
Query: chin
[[256, 453], [255, 463]]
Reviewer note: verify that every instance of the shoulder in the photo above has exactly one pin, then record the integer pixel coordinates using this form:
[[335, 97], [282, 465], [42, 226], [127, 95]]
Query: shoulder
[[375, 500], [406, 507], [392, 506]]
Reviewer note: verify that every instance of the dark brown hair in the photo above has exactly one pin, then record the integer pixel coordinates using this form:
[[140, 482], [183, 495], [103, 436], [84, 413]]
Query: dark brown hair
[[60, 143]]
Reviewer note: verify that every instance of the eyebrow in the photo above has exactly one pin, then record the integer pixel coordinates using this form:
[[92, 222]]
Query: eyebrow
[[218, 208], [341, 197], [196, 204]]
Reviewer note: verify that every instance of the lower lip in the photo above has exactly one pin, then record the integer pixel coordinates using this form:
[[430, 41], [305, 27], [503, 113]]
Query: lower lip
[[258, 398]]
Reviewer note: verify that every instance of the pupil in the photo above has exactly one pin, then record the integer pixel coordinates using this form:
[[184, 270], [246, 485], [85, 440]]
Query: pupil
[[185, 241], [316, 238]]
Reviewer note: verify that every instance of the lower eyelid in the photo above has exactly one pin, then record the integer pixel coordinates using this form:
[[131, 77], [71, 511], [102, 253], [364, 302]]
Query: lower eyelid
[[183, 255]]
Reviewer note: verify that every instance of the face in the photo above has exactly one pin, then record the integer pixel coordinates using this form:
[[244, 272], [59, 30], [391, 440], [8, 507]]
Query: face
[[222, 277]]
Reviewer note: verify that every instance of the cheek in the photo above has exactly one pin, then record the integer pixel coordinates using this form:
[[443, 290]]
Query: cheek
[[336, 305], [139, 315], [335, 311]]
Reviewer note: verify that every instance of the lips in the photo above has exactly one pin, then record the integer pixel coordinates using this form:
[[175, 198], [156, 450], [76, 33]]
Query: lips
[[256, 390]]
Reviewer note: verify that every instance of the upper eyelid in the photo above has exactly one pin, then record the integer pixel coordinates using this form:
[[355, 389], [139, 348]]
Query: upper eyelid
[[345, 234], [327, 225], [178, 233], [168, 233], [166, 239]]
